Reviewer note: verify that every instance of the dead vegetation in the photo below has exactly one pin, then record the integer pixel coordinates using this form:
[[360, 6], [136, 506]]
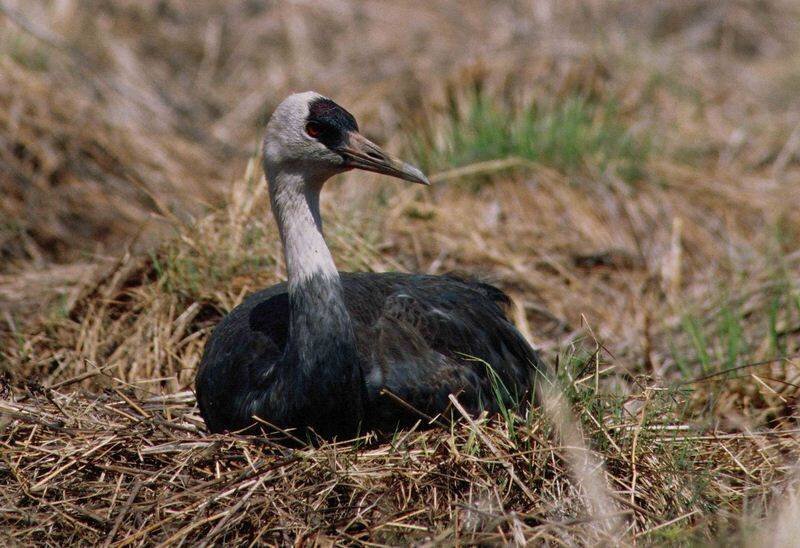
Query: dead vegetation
[[120, 469], [628, 171]]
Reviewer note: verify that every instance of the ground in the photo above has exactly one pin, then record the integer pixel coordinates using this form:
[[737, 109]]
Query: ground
[[629, 172]]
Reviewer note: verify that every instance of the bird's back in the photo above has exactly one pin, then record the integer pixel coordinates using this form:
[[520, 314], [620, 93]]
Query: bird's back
[[419, 338]]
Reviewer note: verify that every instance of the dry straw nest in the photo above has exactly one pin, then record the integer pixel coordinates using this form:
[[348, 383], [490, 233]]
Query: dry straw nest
[[115, 469]]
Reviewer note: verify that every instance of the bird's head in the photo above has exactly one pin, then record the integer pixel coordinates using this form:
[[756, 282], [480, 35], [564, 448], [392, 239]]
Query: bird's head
[[311, 135]]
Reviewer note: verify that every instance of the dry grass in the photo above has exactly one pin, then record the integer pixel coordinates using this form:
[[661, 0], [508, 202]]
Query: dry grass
[[655, 262], [120, 469]]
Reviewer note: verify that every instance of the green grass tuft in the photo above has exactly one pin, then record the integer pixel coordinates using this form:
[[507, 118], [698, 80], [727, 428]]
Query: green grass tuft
[[568, 136]]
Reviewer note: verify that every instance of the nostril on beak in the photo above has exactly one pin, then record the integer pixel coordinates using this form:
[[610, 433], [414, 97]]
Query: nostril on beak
[[374, 155]]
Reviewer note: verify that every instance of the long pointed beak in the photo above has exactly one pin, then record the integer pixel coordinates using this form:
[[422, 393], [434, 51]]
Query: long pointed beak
[[361, 153]]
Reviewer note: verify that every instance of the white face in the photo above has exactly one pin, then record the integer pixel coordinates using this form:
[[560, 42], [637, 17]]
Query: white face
[[312, 137], [288, 145]]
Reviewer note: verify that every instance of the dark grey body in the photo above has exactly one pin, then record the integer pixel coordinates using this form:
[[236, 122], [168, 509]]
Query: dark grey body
[[419, 337]]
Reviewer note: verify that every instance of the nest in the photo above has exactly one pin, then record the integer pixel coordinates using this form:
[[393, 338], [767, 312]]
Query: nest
[[117, 469]]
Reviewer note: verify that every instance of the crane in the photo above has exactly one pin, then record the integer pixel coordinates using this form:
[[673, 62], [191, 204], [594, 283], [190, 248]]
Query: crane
[[335, 353]]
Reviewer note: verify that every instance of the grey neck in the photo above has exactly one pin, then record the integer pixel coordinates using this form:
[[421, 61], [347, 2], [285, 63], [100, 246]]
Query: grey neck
[[295, 205], [321, 339]]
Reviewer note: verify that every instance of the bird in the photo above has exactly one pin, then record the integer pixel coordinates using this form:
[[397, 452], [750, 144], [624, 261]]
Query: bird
[[333, 355]]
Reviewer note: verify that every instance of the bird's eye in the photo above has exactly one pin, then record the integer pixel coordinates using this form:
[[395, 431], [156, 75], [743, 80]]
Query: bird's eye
[[313, 129]]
